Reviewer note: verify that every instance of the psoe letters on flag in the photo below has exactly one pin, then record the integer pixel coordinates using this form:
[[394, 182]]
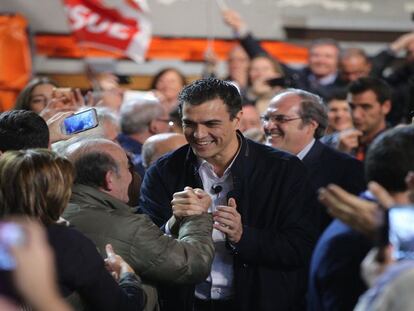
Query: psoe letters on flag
[[121, 25]]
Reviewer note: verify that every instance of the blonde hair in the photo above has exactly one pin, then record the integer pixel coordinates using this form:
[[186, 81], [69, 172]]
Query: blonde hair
[[35, 182]]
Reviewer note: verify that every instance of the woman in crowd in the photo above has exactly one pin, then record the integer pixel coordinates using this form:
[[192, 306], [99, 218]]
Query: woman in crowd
[[37, 183], [36, 94], [265, 75], [167, 84]]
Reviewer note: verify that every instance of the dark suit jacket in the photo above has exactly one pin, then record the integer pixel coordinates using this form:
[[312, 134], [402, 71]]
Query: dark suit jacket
[[329, 166], [335, 282], [270, 188], [298, 78]]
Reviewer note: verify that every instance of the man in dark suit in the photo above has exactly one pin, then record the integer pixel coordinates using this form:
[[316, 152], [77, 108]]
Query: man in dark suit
[[335, 282], [320, 76], [263, 229], [294, 121]]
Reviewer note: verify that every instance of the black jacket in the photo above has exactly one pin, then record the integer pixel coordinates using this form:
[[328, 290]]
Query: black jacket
[[81, 271], [329, 166], [297, 78], [270, 188]]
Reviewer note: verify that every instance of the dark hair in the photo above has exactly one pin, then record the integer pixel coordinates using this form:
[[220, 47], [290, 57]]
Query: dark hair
[[21, 129], [91, 168], [158, 76], [390, 157], [24, 98], [325, 41], [204, 90], [337, 94], [381, 89], [36, 183]]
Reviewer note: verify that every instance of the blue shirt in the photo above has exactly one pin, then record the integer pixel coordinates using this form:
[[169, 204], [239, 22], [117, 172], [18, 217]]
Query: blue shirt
[[133, 147]]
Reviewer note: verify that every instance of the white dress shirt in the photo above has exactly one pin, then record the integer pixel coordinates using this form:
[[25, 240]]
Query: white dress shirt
[[219, 284]]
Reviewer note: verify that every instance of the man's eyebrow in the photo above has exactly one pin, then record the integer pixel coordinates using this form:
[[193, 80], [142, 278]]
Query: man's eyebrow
[[361, 104], [203, 122]]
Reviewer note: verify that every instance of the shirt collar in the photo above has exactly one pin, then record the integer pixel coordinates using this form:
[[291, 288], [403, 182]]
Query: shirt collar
[[203, 163], [305, 150], [329, 79]]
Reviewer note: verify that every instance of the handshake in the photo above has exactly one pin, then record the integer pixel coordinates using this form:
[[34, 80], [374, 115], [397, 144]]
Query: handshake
[[196, 201], [190, 202]]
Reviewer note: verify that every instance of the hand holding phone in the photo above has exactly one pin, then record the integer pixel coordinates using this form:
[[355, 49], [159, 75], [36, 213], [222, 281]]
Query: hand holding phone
[[80, 121]]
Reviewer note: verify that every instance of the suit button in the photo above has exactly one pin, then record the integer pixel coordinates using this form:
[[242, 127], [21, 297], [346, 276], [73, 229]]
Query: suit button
[[245, 265]]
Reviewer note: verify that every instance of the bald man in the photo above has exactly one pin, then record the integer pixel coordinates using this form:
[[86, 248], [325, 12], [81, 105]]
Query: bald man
[[98, 209], [158, 145]]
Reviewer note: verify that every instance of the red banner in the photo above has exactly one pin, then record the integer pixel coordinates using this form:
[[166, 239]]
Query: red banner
[[125, 28]]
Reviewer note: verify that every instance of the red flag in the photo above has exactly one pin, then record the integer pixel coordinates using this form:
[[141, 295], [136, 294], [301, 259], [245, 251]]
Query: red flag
[[125, 28]]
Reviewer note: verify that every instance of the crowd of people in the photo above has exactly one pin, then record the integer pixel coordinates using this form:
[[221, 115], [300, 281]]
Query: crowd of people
[[267, 189]]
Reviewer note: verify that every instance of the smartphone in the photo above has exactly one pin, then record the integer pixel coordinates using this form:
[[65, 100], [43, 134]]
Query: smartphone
[[80, 121], [401, 231], [11, 234]]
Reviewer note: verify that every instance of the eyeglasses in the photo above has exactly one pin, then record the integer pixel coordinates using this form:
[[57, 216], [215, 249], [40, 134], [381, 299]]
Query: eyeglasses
[[277, 118], [163, 120]]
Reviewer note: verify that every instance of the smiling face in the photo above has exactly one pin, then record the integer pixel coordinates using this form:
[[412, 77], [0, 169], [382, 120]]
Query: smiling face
[[170, 84], [339, 115], [323, 60], [210, 131], [292, 134], [40, 96]]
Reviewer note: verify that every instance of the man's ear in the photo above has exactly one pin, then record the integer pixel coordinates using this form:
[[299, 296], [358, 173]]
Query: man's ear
[[386, 107], [152, 127], [313, 125], [237, 119], [109, 181]]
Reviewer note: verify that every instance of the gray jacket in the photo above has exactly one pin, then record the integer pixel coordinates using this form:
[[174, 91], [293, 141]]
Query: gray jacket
[[153, 255]]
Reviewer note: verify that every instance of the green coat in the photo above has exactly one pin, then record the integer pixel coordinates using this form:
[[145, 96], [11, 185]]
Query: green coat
[[153, 255]]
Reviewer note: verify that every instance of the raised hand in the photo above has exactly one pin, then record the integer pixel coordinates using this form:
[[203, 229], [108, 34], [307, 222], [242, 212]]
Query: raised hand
[[228, 220], [115, 264], [360, 214]]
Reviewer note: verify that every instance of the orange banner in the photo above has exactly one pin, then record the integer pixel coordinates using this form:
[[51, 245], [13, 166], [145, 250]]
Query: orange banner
[[15, 60], [185, 49]]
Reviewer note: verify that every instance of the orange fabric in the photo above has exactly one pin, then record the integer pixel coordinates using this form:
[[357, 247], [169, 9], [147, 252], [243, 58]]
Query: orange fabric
[[186, 49], [15, 60]]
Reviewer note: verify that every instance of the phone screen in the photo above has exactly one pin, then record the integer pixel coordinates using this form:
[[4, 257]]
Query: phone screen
[[401, 231], [80, 121], [10, 234]]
